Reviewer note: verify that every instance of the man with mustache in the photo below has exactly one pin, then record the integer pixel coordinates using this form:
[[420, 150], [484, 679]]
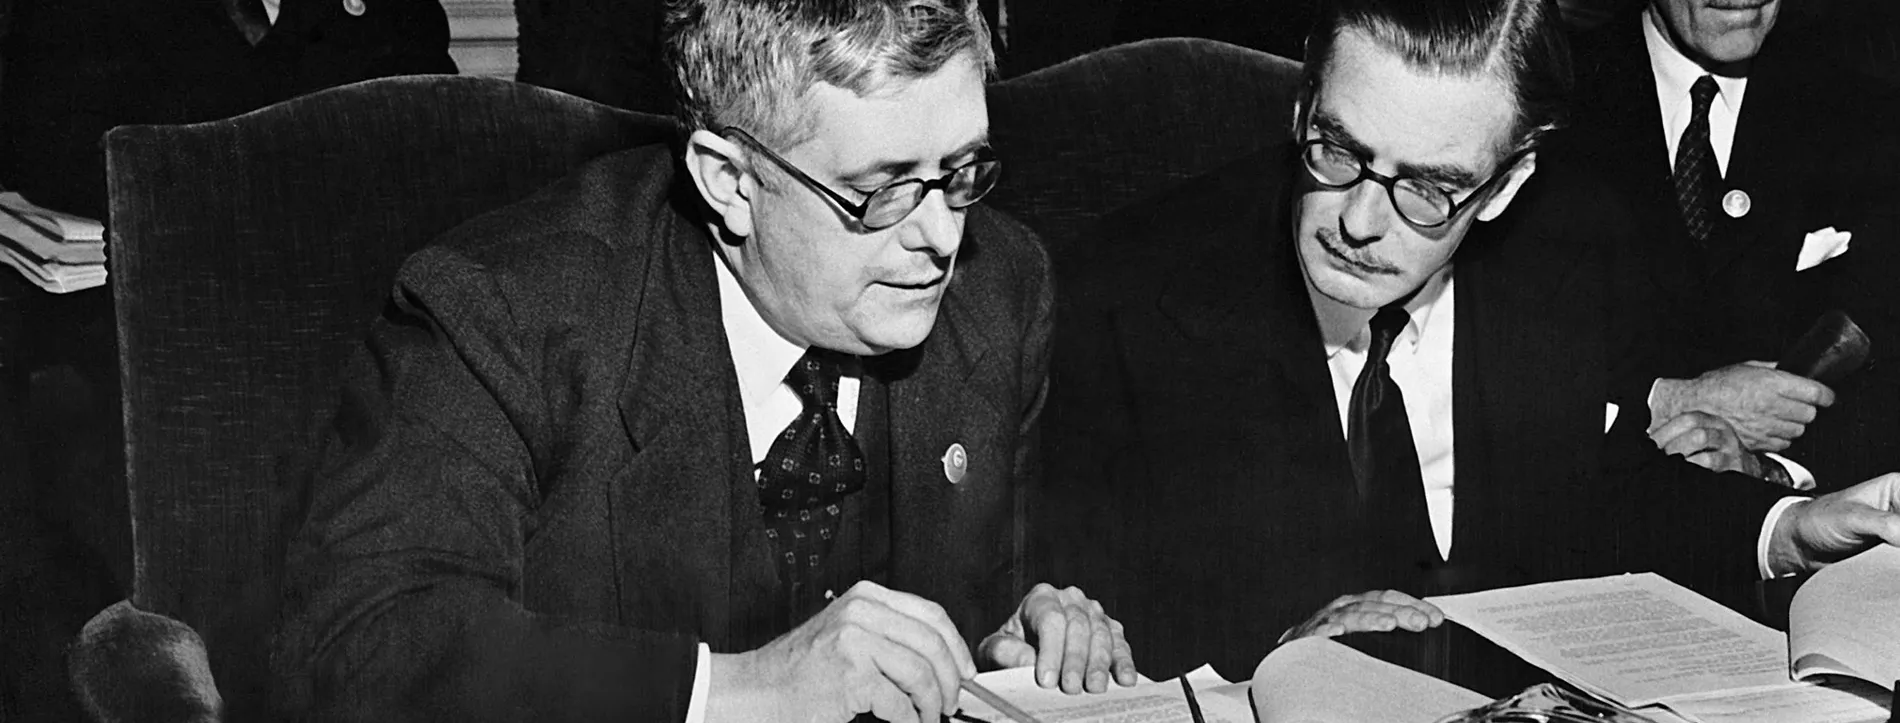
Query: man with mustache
[[1382, 357], [1749, 148], [733, 429]]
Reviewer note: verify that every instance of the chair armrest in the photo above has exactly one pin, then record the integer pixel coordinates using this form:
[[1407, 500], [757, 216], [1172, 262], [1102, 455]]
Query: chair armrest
[[128, 664]]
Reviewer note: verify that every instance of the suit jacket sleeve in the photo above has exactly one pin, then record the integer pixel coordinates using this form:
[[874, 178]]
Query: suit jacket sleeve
[[1696, 527], [403, 596]]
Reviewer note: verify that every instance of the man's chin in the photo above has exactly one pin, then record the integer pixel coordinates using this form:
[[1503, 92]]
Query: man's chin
[[896, 334], [1371, 291]]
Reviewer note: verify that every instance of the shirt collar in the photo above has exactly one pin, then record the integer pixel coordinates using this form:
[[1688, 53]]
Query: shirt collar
[[1676, 73], [1343, 327], [760, 355]]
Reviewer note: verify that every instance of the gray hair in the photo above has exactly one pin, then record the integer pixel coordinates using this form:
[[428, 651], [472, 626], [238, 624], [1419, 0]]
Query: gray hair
[[747, 62]]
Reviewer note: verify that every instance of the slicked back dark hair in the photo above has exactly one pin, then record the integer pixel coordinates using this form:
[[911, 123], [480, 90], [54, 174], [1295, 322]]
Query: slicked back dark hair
[[1519, 42]]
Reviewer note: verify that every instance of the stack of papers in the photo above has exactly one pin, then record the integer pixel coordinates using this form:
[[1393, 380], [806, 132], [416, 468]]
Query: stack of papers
[[1641, 640], [56, 251]]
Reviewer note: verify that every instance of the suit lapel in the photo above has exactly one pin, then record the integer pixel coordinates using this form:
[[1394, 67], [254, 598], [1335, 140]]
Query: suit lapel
[[1771, 160], [942, 394], [1519, 343], [680, 409]]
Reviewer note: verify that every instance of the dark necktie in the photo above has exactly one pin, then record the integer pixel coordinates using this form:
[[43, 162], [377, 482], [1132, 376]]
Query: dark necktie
[[810, 468], [1384, 460], [1696, 173]]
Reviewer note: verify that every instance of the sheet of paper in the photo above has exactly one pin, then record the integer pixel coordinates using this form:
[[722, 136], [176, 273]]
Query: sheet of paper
[[1146, 702], [1843, 621], [1639, 639], [1316, 680], [1852, 702]]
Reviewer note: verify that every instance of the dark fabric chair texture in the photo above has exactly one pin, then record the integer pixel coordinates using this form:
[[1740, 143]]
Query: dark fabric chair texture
[[248, 256], [1087, 136]]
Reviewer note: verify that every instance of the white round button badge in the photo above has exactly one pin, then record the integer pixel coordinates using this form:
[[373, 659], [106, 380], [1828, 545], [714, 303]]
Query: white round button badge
[[1736, 203], [956, 463]]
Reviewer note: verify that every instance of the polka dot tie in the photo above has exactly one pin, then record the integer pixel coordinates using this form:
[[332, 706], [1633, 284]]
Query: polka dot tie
[[812, 466]]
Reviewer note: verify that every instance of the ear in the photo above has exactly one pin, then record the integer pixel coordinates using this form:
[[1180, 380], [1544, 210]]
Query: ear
[[720, 173], [1502, 199]]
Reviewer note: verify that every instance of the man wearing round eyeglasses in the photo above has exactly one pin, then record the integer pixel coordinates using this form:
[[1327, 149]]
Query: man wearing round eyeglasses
[[736, 433], [1378, 358]]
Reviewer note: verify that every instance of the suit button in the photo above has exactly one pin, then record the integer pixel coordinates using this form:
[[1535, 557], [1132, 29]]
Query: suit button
[[956, 463], [1736, 203], [354, 7]]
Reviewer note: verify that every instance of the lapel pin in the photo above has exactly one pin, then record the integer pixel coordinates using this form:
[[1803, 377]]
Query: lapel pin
[[1736, 203], [354, 7], [956, 463]]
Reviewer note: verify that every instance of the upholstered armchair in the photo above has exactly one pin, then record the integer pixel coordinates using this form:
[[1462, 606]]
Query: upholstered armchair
[[248, 256]]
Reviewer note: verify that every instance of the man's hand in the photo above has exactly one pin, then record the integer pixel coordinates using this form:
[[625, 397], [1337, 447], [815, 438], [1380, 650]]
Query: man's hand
[[1832, 527], [1707, 441], [1376, 611], [1067, 637], [1768, 408], [873, 650]]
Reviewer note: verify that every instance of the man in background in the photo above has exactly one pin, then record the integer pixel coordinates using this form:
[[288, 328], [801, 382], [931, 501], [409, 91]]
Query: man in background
[[1759, 160], [75, 69]]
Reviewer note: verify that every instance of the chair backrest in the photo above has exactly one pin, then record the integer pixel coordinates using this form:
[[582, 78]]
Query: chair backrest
[[1090, 135], [248, 256]]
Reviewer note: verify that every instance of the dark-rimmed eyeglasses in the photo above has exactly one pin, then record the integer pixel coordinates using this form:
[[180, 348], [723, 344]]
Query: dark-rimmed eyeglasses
[[1336, 167], [893, 202]]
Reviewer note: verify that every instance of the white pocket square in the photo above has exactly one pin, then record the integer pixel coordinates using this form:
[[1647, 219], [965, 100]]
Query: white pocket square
[[1609, 417], [1820, 246]]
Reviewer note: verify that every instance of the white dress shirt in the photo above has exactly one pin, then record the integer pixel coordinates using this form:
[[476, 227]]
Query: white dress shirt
[[760, 358], [1675, 74], [1420, 363]]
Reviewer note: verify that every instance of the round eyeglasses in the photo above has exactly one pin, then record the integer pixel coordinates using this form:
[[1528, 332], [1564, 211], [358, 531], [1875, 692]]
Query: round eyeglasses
[[1422, 204], [893, 202]]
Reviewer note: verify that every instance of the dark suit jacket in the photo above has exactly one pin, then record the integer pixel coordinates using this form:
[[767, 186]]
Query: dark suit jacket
[[540, 496], [1814, 147], [1194, 437]]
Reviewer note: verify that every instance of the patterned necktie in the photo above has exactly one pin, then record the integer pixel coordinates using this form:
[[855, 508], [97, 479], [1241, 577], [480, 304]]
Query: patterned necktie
[[1696, 173], [810, 468], [1384, 460]]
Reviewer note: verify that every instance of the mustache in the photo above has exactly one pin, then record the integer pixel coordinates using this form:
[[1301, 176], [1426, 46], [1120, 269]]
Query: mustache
[[1331, 239]]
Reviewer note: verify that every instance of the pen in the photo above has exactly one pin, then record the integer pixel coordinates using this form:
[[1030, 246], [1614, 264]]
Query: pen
[[994, 701], [1194, 706]]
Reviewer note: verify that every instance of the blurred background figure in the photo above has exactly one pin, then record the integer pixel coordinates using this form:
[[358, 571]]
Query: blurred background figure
[[75, 68]]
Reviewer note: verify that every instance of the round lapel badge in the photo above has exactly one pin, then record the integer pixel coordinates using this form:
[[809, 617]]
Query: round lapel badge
[[956, 463], [1736, 203]]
